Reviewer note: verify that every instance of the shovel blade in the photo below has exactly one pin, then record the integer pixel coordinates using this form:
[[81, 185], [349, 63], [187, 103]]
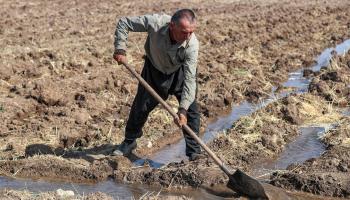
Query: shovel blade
[[246, 185]]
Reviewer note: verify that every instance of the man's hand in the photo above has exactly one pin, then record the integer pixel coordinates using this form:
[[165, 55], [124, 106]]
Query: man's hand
[[120, 56], [182, 117], [181, 120]]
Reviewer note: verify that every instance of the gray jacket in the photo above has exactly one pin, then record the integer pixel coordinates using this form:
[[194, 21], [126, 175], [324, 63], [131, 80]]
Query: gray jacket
[[166, 57]]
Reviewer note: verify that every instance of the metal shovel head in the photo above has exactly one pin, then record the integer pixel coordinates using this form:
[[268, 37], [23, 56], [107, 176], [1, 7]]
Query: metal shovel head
[[246, 185]]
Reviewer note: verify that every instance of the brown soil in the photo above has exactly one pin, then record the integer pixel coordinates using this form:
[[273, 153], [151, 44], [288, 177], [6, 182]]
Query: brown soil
[[261, 135], [328, 175], [26, 195], [7, 194], [265, 133], [332, 82], [62, 95], [80, 169], [182, 174], [59, 86]]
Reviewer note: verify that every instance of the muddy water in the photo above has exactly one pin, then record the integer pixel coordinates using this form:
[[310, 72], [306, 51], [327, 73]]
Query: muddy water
[[305, 146], [117, 191], [109, 187], [176, 152]]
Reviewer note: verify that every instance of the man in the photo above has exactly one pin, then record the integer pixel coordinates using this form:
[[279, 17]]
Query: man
[[170, 69]]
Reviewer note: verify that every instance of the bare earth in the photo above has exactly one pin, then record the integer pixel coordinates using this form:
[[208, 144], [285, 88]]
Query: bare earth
[[63, 99], [329, 174]]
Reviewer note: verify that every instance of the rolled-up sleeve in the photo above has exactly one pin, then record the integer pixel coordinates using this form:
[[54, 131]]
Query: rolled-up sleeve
[[190, 70]]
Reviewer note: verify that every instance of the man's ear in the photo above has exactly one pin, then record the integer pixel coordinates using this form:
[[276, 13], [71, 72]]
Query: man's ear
[[172, 25]]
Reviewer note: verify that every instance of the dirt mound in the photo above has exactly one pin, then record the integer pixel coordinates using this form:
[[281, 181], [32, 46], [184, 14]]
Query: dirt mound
[[62, 81], [325, 184], [192, 174], [55, 168], [265, 133], [27, 195], [48, 93], [70, 167], [333, 82], [61, 92], [303, 109], [328, 175], [261, 135]]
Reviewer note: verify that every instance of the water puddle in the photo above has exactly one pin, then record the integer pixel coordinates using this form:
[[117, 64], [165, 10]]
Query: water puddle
[[121, 191], [305, 146], [117, 191], [176, 152]]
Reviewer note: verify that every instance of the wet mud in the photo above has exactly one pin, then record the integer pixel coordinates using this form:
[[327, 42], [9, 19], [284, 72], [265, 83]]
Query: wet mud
[[249, 140], [332, 82], [64, 101], [327, 175], [60, 194], [61, 86]]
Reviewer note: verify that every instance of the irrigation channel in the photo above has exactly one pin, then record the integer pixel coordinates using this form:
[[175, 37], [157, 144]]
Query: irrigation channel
[[305, 146]]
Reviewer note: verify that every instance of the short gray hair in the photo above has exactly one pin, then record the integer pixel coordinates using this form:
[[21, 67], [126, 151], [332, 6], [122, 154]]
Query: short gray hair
[[183, 13]]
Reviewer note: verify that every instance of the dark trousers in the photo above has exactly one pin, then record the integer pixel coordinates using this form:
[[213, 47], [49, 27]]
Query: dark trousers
[[144, 103]]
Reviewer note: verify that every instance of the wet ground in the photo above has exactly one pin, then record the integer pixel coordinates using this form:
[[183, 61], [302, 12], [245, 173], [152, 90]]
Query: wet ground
[[59, 87], [325, 175], [63, 105], [328, 174], [296, 81]]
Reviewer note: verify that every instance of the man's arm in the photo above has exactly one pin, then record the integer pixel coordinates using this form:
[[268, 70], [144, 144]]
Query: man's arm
[[143, 23], [190, 85], [188, 94]]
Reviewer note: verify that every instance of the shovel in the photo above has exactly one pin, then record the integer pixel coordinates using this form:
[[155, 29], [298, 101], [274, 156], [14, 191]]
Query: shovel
[[239, 182]]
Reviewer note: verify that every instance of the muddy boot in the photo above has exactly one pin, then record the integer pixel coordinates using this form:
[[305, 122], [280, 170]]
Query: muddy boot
[[125, 148], [196, 156]]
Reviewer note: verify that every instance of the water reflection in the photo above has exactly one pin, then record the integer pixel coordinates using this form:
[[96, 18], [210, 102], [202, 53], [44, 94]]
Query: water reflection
[[176, 152], [306, 146]]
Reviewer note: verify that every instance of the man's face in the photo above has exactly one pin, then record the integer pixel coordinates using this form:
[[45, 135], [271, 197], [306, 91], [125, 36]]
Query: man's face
[[182, 31]]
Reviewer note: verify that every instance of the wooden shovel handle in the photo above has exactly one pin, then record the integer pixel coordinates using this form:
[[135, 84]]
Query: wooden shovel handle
[[171, 111]]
